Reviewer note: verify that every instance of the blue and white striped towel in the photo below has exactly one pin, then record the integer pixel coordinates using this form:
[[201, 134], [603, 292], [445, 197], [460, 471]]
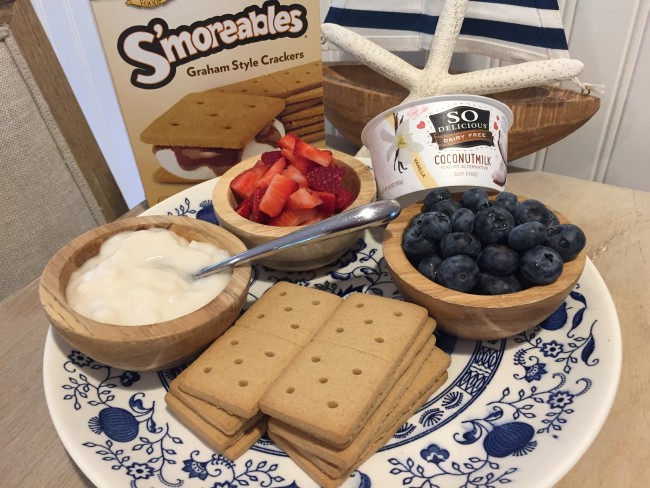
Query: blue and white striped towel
[[511, 30]]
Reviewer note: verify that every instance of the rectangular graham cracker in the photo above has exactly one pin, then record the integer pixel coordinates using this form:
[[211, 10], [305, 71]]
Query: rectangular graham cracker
[[338, 379], [222, 120], [298, 106], [301, 78], [315, 473], [314, 136], [307, 121], [405, 394], [309, 129], [231, 446], [301, 114], [292, 312], [264, 85], [237, 369], [402, 394], [225, 421], [314, 93]]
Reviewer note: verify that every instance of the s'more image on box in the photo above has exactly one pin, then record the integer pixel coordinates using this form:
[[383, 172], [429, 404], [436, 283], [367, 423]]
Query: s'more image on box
[[203, 85]]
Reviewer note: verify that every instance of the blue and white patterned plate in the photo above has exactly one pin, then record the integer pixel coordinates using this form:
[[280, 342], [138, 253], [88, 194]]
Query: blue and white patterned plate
[[519, 411]]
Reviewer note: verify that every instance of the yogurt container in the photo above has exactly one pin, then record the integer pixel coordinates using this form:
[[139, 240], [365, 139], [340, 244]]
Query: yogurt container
[[457, 141]]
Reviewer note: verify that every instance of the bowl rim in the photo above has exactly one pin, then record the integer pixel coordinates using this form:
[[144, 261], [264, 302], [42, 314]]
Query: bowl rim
[[397, 260], [222, 195], [50, 291]]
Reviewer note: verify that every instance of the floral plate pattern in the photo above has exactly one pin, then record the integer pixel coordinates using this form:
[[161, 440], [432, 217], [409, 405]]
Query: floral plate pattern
[[517, 411]]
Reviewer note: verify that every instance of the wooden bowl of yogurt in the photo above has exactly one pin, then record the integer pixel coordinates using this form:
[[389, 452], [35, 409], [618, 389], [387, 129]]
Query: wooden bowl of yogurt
[[123, 294]]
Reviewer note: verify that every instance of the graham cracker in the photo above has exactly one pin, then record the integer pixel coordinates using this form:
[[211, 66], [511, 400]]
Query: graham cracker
[[314, 137], [336, 382], [294, 124], [301, 78], [230, 446], [309, 129], [212, 119], [314, 93], [301, 114], [295, 107], [429, 365], [264, 85], [226, 422], [315, 473], [238, 368]]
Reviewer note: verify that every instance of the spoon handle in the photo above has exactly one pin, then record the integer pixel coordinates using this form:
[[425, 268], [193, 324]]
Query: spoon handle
[[363, 217]]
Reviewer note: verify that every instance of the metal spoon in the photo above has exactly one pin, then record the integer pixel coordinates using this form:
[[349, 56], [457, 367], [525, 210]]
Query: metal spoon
[[370, 215]]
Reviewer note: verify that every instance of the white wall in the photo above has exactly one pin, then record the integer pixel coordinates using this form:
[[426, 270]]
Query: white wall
[[611, 39]]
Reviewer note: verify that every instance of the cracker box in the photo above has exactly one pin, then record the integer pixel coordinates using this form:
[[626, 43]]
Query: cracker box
[[203, 84]]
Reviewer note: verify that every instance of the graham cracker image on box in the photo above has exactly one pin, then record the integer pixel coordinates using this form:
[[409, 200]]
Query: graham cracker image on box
[[205, 134], [301, 88]]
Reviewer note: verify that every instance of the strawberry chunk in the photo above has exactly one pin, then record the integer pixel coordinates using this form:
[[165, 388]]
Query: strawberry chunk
[[277, 193], [307, 151], [328, 207], [302, 164], [294, 173], [303, 198], [327, 179], [343, 199], [256, 214], [245, 207], [242, 185], [290, 218], [317, 218], [288, 141], [270, 157], [276, 168]]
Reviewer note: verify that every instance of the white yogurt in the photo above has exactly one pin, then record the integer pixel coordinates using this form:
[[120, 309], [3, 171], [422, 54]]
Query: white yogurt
[[144, 277]]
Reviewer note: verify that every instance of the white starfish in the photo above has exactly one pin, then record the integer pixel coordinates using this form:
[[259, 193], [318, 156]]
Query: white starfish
[[434, 78]]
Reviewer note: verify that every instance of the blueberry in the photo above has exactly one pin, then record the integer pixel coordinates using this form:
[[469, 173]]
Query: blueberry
[[463, 220], [448, 207], [496, 285], [493, 224], [553, 221], [527, 235], [567, 239], [506, 200], [531, 210], [498, 259], [435, 225], [434, 196], [416, 221], [458, 273], [460, 243], [475, 199], [415, 246], [429, 266], [541, 265]]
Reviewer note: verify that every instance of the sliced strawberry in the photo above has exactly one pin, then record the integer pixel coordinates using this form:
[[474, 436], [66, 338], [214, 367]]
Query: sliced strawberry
[[290, 218], [327, 179], [320, 156], [242, 185], [317, 218], [256, 214], [245, 207], [288, 141], [328, 207], [304, 165], [294, 173], [276, 168], [277, 193], [303, 198], [270, 157], [344, 198]]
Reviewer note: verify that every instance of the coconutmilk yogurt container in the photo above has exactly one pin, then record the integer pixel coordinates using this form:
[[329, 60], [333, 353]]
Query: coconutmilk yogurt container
[[458, 141]]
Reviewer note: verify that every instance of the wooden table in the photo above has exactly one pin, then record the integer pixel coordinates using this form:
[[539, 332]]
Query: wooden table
[[617, 223]]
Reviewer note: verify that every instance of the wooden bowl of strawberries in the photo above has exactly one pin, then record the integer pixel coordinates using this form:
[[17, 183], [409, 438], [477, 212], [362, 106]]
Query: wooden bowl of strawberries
[[269, 196]]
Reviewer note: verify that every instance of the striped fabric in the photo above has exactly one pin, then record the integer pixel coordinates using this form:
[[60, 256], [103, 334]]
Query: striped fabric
[[511, 30]]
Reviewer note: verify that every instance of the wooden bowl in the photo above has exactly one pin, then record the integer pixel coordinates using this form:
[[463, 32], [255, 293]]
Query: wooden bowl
[[142, 347], [358, 179], [477, 317]]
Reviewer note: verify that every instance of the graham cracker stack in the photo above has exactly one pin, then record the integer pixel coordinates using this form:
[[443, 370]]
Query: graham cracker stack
[[300, 87], [332, 380]]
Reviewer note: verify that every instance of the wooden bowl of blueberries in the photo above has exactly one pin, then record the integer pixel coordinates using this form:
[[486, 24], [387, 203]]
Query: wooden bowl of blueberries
[[485, 267]]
